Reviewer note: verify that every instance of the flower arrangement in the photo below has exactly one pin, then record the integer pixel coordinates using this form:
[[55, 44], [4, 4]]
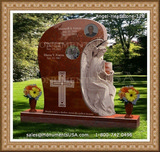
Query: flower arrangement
[[129, 94], [32, 92]]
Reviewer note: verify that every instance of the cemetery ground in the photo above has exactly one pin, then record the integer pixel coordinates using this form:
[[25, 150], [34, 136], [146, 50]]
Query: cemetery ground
[[55, 131]]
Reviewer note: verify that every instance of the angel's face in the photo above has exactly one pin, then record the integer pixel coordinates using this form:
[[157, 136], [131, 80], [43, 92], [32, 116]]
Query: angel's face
[[100, 53], [103, 48]]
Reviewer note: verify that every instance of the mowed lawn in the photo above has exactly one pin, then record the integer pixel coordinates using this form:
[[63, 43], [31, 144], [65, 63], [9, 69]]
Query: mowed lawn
[[55, 131]]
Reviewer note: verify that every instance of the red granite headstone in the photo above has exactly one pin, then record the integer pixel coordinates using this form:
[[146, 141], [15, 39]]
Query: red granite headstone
[[60, 53], [59, 57]]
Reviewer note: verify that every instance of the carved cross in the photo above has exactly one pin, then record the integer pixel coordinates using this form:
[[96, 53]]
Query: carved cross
[[62, 84]]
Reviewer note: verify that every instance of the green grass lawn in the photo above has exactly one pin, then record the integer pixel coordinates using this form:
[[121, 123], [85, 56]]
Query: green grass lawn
[[21, 130]]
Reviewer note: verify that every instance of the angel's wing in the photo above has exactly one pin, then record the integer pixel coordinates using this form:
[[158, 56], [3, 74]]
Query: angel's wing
[[85, 64]]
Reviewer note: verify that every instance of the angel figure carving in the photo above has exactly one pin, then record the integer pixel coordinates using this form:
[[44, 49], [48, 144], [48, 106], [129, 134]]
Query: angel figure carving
[[97, 84]]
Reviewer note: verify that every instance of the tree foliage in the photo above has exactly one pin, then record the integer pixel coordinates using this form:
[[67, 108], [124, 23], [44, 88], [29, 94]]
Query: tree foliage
[[122, 27], [116, 56], [27, 31], [29, 27]]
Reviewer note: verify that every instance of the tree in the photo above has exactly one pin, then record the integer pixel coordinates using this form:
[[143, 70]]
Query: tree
[[116, 56], [122, 27], [125, 29], [27, 31], [29, 27], [139, 63]]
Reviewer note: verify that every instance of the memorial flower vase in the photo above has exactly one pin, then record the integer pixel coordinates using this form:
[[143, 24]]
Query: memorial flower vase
[[129, 109], [32, 102]]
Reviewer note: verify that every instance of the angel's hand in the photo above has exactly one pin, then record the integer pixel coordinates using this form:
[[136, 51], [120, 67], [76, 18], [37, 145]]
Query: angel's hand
[[111, 72]]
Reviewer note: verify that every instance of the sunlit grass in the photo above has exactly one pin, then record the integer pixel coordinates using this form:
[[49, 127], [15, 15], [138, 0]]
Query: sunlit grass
[[20, 103]]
